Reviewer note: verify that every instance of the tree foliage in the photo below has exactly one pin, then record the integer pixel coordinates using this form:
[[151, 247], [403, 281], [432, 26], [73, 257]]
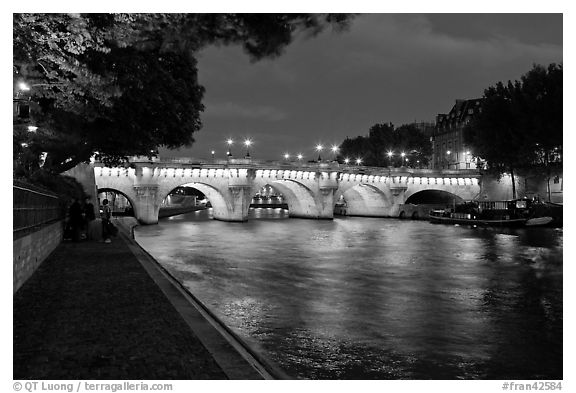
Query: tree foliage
[[126, 84], [520, 125], [383, 138]]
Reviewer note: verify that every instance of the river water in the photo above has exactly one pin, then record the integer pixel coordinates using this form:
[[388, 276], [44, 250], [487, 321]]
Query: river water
[[372, 298]]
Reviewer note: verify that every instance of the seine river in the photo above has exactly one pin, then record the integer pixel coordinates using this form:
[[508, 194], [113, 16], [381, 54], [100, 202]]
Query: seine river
[[369, 298]]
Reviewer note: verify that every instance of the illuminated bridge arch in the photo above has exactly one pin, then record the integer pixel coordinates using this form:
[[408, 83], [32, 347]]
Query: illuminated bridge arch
[[299, 198], [433, 196], [220, 206], [367, 200]]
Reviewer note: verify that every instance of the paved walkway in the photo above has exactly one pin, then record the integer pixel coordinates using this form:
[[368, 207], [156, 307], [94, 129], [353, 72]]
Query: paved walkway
[[91, 311]]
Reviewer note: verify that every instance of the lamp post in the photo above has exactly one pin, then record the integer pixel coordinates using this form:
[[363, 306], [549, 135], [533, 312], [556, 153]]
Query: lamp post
[[448, 158], [335, 151], [402, 159], [300, 156], [212, 152], [286, 156], [247, 142], [229, 142], [346, 161], [319, 148], [390, 154], [358, 161]]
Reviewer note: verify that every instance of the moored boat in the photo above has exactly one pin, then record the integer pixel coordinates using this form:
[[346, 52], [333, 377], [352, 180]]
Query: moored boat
[[512, 213], [444, 217]]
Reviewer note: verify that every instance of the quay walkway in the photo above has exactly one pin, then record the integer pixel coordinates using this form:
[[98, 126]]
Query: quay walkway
[[107, 311]]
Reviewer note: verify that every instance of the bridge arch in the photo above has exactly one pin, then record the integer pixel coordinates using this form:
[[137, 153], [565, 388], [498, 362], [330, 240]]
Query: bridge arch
[[298, 197], [220, 206], [432, 197], [367, 200], [126, 195]]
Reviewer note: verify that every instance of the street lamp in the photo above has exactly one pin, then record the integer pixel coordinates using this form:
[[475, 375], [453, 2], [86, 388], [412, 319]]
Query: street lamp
[[212, 152], [346, 160], [299, 157], [286, 156], [390, 154], [448, 158], [32, 128], [247, 142], [23, 86], [229, 142], [402, 159], [319, 148], [358, 161], [334, 151]]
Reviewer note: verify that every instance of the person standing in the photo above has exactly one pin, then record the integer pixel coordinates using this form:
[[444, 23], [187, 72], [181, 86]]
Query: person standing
[[106, 215]]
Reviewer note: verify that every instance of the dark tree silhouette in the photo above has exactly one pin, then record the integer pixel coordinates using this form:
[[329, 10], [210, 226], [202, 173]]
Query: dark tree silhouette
[[520, 125], [125, 84], [384, 138]]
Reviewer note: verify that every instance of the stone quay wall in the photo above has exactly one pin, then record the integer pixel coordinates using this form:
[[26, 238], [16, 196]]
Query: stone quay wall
[[32, 249]]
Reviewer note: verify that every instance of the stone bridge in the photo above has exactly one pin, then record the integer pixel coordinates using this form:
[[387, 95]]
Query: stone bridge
[[311, 190]]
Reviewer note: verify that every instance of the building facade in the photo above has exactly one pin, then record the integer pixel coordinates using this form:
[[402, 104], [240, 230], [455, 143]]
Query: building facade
[[448, 148]]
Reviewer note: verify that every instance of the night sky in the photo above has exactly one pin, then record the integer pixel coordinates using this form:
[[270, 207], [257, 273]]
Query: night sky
[[397, 68]]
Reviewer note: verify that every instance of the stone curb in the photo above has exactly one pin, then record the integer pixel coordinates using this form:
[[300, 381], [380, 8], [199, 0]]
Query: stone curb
[[233, 355]]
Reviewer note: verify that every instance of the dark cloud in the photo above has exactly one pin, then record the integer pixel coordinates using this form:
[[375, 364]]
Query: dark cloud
[[386, 68]]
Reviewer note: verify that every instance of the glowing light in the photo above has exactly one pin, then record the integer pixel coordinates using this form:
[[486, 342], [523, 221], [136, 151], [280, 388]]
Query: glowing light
[[346, 160], [24, 144], [286, 156], [247, 142], [229, 142], [300, 156], [334, 149], [358, 161], [319, 147], [448, 152], [32, 128], [402, 154], [390, 154], [23, 86], [468, 152]]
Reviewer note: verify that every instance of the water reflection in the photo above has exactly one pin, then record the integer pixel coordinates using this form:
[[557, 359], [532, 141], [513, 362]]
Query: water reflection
[[375, 298]]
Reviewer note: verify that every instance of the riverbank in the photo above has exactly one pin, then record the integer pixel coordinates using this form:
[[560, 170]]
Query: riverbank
[[103, 311]]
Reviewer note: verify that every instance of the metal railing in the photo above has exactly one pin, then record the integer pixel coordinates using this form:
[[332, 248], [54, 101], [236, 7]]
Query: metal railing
[[33, 208]]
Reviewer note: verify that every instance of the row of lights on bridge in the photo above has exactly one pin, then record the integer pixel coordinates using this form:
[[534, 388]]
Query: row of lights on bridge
[[319, 148]]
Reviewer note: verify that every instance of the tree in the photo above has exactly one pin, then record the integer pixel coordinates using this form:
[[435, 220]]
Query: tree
[[520, 124], [384, 138], [125, 84]]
